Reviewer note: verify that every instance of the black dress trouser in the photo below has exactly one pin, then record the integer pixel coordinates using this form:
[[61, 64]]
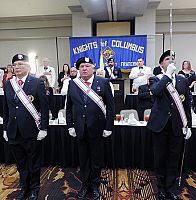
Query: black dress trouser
[[27, 156], [167, 154], [90, 158]]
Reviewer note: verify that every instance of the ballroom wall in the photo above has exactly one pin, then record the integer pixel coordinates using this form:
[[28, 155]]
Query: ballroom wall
[[39, 34], [184, 36]]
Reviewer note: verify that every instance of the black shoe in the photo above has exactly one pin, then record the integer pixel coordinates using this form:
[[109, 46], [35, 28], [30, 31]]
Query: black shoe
[[33, 195], [161, 196], [83, 192], [22, 195], [172, 196], [95, 193]]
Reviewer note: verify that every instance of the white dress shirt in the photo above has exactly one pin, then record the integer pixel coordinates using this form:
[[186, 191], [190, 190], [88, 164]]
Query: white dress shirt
[[110, 72], [1, 77], [139, 80], [51, 75], [65, 86]]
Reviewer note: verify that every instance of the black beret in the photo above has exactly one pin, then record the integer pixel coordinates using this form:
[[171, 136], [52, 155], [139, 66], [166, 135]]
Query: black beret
[[165, 54], [110, 59], [83, 60], [20, 57]]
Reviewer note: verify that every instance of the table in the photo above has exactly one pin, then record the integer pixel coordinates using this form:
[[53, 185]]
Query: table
[[128, 146]]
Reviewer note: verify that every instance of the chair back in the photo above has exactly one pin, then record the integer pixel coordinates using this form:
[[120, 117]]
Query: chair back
[[64, 112], [126, 113]]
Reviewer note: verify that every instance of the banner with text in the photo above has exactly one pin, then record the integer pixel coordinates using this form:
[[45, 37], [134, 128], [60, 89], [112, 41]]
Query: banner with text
[[124, 49]]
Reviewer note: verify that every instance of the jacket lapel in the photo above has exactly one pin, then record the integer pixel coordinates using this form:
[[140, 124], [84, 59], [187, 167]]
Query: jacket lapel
[[94, 84], [177, 82], [27, 84]]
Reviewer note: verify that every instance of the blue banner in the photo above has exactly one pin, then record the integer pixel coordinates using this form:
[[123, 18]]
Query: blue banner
[[124, 49]]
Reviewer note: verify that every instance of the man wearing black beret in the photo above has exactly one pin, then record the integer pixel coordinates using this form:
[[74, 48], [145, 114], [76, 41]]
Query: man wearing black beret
[[159, 69], [111, 71], [90, 118], [170, 121], [25, 122]]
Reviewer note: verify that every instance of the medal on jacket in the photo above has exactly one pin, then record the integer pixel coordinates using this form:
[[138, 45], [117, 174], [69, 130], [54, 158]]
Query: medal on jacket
[[182, 97], [98, 89], [31, 98]]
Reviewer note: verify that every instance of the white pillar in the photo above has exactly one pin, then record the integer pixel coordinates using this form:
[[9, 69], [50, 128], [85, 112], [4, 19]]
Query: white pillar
[[145, 25], [81, 25]]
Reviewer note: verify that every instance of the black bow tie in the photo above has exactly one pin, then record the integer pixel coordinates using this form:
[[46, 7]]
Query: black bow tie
[[140, 67], [45, 68]]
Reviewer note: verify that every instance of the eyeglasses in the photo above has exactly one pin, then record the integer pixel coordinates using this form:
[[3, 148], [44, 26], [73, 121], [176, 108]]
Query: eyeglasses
[[18, 64]]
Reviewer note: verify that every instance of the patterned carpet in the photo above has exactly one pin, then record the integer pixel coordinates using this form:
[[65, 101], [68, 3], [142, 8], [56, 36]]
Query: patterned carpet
[[63, 184]]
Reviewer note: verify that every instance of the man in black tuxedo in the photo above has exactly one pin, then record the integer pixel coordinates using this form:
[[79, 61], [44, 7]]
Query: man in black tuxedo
[[89, 123], [22, 129], [111, 71], [167, 125]]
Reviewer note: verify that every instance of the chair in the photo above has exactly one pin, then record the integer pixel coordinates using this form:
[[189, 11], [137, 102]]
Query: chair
[[126, 113], [64, 112], [147, 112]]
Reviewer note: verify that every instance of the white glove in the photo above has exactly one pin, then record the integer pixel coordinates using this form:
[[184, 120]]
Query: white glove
[[171, 68], [5, 136], [72, 132], [106, 133], [41, 135], [187, 132]]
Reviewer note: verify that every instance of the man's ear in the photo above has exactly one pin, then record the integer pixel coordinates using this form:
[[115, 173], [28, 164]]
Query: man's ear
[[93, 66]]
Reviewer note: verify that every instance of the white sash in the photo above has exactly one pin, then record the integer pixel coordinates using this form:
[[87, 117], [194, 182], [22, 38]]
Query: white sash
[[174, 94], [25, 101], [91, 94]]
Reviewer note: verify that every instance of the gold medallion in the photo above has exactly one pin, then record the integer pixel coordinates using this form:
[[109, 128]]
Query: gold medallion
[[31, 98], [182, 97], [101, 98]]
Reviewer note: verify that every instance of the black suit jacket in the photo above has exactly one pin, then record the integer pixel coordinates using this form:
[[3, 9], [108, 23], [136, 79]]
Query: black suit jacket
[[16, 116], [144, 97], [116, 72], [157, 70], [60, 83], [164, 106], [80, 113]]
